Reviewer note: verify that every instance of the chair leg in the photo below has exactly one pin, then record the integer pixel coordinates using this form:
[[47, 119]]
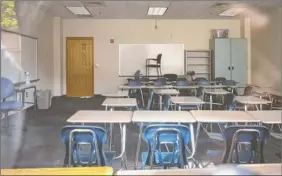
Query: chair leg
[[138, 147], [6, 118]]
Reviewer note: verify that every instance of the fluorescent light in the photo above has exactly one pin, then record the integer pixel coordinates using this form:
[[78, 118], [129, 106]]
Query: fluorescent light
[[232, 12], [157, 10], [79, 10]]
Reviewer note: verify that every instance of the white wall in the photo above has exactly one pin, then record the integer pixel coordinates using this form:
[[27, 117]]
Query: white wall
[[33, 21], [195, 34], [266, 49]]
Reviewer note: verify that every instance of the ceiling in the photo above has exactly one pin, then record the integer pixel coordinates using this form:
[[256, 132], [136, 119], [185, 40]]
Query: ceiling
[[197, 9]]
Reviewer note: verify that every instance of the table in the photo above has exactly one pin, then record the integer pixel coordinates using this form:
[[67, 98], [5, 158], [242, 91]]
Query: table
[[215, 92], [60, 171], [267, 117], [213, 86], [119, 102], [92, 116], [161, 92], [160, 87], [208, 116], [161, 117], [119, 94], [187, 100], [251, 100], [22, 89], [261, 169], [123, 87]]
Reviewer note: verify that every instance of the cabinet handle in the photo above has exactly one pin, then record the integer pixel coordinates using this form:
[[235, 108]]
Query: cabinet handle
[[232, 68], [228, 68]]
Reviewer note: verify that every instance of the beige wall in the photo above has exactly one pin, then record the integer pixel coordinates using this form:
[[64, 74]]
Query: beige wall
[[195, 34], [266, 49]]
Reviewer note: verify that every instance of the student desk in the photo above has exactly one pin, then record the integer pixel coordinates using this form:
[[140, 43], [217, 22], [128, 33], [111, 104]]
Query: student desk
[[186, 100], [162, 117], [215, 91], [124, 87], [60, 171], [251, 100], [22, 89], [271, 117], [121, 117], [213, 86], [193, 87], [206, 116], [119, 102], [119, 94], [261, 169], [162, 92]]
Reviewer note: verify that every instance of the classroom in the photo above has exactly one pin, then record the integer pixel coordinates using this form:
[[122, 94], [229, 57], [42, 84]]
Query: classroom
[[133, 87]]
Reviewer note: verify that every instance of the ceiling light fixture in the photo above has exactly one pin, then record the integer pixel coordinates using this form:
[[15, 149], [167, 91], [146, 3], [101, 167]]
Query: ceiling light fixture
[[232, 12], [157, 11], [79, 10]]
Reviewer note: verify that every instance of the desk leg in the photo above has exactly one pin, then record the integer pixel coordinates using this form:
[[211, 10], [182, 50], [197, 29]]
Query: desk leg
[[138, 147], [194, 143], [246, 107], [142, 98], [123, 146], [160, 102], [210, 101], [35, 98], [111, 133]]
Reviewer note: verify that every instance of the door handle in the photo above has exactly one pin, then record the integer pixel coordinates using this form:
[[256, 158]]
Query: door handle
[[232, 68], [228, 68]]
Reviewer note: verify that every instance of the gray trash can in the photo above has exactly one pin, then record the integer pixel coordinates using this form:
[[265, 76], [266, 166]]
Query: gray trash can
[[43, 99]]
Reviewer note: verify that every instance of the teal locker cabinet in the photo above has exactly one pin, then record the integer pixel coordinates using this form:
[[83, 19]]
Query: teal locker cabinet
[[230, 59]]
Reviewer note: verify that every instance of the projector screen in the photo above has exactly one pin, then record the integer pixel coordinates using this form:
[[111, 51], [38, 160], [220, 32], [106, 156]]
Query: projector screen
[[132, 57], [18, 55]]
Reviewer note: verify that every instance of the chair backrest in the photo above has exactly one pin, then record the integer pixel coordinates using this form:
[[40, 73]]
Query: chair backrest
[[182, 83], [220, 80], [159, 59], [7, 88], [160, 82], [137, 75], [248, 90], [95, 137], [229, 82], [256, 136], [200, 93], [178, 135], [203, 82], [229, 101], [170, 77]]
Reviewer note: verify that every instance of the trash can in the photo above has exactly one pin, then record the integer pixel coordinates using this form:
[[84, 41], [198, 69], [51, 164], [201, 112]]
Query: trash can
[[43, 98]]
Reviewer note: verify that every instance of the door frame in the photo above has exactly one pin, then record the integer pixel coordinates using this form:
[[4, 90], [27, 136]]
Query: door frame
[[66, 68]]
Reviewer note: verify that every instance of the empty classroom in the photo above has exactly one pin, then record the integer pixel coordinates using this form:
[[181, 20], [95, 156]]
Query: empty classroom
[[116, 87]]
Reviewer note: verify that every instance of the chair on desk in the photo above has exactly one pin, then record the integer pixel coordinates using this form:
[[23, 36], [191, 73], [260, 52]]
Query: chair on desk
[[244, 144], [8, 91], [220, 80], [156, 65], [156, 136], [77, 137]]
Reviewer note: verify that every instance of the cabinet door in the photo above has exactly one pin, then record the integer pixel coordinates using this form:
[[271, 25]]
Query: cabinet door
[[221, 60], [239, 61]]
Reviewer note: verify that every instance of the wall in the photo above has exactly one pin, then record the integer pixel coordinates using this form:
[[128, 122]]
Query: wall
[[266, 49], [34, 21], [195, 34]]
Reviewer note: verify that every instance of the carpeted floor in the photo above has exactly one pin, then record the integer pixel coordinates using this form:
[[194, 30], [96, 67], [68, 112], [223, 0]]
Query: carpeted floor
[[40, 145]]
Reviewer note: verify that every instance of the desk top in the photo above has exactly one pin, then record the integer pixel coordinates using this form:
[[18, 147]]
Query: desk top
[[163, 116], [160, 87], [116, 94], [60, 171], [119, 102], [216, 91], [238, 86], [187, 100], [166, 91], [218, 116], [23, 87], [251, 100], [269, 117], [93, 116], [213, 86], [261, 169], [187, 87], [132, 87], [268, 90]]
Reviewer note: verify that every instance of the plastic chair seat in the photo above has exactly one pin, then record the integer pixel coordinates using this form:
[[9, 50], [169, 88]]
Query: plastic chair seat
[[11, 105], [162, 158]]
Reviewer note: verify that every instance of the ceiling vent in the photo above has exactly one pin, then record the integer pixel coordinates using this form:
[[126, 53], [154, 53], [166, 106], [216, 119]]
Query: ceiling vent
[[96, 3]]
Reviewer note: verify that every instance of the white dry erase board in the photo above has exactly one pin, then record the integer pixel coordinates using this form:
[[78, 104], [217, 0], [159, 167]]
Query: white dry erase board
[[18, 55], [132, 57]]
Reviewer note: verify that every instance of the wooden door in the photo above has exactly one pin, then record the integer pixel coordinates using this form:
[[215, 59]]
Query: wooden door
[[80, 73]]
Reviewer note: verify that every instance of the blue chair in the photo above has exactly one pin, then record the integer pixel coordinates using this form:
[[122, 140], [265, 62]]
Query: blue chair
[[229, 102], [75, 137], [178, 136], [136, 93], [229, 82], [220, 80], [8, 91], [160, 82], [170, 77], [203, 82], [252, 138], [200, 79]]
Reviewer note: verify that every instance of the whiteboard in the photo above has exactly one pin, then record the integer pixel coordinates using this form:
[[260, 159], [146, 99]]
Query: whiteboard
[[18, 55], [132, 57]]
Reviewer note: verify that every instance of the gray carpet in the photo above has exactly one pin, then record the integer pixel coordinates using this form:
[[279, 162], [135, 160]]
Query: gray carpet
[[40, 145]]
